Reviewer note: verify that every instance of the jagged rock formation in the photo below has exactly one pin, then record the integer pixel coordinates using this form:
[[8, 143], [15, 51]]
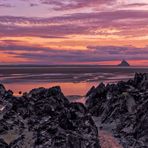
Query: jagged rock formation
[[124, 64], [124, 105], [44, 118]]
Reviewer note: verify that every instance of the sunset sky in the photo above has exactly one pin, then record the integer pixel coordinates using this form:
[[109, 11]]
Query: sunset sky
[[73, 31]]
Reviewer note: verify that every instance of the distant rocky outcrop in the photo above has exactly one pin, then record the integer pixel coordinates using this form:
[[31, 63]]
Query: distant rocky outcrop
[[44, 118], [125, 106], [124, 63]]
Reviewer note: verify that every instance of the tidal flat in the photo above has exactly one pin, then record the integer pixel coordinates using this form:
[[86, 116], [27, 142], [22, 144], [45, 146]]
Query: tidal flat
[[78, 77]]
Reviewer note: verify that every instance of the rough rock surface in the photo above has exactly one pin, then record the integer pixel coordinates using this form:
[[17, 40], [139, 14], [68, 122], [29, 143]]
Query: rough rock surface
[[123, 107], [44, 118]]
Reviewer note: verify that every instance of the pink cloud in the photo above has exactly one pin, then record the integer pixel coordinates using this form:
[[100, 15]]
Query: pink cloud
[[93, 54], [127, 22], [75, 4]]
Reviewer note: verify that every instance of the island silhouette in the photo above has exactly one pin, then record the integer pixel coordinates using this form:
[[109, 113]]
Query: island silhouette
[[124, 63]]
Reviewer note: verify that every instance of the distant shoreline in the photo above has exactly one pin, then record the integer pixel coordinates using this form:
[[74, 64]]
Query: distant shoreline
[[69, 69], [65, 65]]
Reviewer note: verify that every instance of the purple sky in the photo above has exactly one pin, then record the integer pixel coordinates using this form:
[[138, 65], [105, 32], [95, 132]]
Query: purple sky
[[73, 31]]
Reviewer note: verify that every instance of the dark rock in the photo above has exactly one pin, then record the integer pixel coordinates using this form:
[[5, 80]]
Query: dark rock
[[90, 91], [44, 118], [78, 107], [101, 88], [19, 142], [96, 101], [141, 80], [20, 92], [3, 144], [2, 89], [124, 105]]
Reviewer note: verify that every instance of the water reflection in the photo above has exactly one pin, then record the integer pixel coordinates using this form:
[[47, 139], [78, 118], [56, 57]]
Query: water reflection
[[68, 88], [71, 84]]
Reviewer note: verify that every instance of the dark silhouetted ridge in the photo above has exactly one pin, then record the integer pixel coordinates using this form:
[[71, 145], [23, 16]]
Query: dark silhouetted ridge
[[124, 63]]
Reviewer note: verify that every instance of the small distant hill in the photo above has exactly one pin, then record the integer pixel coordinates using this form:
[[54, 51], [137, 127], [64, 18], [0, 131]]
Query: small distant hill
[[124, 63]]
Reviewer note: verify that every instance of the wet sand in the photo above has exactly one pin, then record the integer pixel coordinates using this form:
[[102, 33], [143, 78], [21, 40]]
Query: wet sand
[[69, 69], [107, 140]]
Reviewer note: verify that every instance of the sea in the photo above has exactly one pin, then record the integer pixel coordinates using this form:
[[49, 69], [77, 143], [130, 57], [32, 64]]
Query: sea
[[74, 80]]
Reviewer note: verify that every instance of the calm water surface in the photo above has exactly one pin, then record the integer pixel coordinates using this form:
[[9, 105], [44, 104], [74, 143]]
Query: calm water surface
[[73, 80]]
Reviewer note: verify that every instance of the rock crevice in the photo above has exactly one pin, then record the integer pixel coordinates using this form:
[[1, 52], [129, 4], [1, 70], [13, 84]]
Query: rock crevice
[[124, 105]]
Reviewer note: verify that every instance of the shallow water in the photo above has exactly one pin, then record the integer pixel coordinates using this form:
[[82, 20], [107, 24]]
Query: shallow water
[[70, 84], [73, 80]]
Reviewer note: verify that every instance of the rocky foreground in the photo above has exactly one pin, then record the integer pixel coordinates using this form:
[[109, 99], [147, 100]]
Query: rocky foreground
[[122, 108], [44, 118]]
